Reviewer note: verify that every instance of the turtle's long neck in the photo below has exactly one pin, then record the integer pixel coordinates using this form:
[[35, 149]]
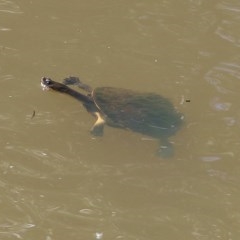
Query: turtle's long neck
[[79, 96]]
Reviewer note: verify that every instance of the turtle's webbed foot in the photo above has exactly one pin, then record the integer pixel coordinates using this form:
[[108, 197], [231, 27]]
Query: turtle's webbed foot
[[97, 130], [71, 81]]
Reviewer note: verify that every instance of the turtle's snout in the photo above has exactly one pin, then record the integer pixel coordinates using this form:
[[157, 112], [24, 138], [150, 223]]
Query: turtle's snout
[[45, 82]]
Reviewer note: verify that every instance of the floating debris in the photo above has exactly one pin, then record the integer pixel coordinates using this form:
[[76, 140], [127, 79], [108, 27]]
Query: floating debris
[[33, 114]]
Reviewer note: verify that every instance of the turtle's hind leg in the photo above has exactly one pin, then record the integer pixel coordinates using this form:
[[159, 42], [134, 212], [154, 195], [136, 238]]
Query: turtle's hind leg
[[97, 128]]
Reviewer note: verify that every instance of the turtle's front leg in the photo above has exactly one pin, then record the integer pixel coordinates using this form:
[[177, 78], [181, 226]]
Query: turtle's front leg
[[97, 129]]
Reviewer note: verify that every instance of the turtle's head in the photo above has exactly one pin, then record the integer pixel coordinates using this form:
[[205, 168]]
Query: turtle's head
[[47, 83]]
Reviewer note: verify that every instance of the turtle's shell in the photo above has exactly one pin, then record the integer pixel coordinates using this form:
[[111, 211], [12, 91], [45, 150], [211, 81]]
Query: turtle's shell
[[147, 113]]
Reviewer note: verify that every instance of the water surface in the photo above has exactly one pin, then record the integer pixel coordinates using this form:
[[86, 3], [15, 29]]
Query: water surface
[[57, 182]]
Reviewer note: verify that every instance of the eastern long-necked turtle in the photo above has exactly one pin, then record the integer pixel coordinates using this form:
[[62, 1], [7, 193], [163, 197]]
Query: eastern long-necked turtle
[[146, 113]]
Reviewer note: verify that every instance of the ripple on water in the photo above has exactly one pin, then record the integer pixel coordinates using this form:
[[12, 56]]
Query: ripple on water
[[219, 105], [229, 28], [225, 76], [9, 7]]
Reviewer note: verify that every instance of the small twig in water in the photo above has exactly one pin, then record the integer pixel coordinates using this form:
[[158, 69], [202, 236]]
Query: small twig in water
[[33, 114]]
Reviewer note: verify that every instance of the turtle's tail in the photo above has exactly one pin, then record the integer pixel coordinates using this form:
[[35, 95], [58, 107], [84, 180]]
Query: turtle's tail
[[166, 149]]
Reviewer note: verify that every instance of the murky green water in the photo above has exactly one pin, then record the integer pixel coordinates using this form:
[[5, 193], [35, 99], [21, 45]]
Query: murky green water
[[57, 182]]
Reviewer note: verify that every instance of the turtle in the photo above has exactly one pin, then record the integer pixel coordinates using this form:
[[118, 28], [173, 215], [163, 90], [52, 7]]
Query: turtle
[[147, 113]]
